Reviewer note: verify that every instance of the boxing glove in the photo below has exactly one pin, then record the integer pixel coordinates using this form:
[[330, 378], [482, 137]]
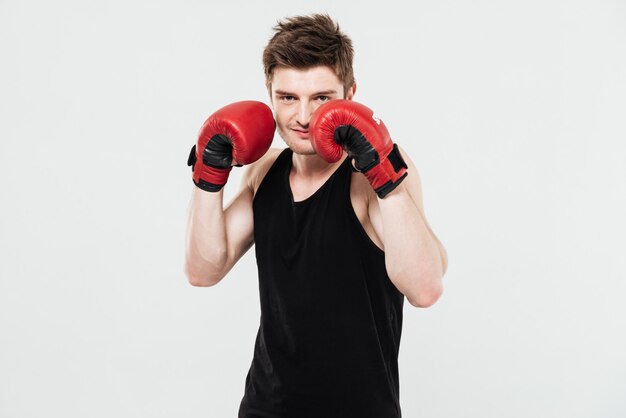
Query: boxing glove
[[240, 132], [346, 125]]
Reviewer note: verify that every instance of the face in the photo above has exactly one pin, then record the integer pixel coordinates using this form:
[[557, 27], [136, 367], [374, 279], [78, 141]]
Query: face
[[295, 94]]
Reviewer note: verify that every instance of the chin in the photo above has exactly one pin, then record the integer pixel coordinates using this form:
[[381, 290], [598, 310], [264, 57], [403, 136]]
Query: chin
[[303, 150], [300, 146]]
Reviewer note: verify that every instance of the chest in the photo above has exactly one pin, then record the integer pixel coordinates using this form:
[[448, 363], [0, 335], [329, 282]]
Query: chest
[[361, 196]]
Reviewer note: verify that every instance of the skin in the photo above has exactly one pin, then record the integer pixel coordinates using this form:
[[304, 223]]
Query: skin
[[295, 94], [216, 239]]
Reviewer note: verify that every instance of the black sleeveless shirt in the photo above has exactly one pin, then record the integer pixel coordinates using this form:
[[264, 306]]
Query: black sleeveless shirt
[[331, 319]]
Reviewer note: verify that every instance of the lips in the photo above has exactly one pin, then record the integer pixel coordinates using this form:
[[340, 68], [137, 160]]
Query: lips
[[301, 133]]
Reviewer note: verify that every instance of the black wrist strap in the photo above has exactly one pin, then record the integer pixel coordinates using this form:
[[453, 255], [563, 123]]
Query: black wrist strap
[[191, 160], [395, 158]]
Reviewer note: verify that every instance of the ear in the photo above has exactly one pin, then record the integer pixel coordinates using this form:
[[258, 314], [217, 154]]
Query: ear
[[351, 92]]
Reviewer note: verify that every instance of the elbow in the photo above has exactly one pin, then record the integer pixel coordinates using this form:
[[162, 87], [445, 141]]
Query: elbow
[[202, 272], [200, 279], [427, 296]]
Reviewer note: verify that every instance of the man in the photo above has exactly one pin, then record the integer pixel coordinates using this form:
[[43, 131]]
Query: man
[[338, 226]]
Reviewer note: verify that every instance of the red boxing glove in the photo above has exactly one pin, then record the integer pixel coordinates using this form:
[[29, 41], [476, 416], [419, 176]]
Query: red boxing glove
[[345, 124], [242, 131]]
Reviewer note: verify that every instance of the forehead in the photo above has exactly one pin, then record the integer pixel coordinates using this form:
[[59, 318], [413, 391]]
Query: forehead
[[305, 81]]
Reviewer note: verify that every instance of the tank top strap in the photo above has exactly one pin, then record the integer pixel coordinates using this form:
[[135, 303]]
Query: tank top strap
[[271, 181]]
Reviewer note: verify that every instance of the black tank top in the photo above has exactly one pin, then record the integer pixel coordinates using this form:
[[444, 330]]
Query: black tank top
[[331, 319]]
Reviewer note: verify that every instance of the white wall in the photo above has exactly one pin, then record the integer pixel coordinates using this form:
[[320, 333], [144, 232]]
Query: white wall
[[513, 113]]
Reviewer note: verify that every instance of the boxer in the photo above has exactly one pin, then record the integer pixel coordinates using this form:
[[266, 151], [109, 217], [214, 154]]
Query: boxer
[[338, 226]]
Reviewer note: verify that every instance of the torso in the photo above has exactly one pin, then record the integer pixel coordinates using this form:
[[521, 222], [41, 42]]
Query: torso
[[362, 195]]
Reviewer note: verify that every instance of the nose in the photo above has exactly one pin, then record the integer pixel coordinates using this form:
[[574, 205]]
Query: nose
[[305, 110]]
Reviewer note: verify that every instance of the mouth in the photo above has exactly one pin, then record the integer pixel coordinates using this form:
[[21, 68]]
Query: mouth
[[301, 133]]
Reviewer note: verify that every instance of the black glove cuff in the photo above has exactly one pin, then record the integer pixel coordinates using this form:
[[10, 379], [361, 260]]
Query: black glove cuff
[[191, 160], [208, 187], [388, 187]]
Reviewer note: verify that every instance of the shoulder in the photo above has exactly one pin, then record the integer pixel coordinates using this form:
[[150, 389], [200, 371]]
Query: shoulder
[[256, 171], [361, 196]]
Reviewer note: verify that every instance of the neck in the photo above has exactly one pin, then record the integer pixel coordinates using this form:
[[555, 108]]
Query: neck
[[313, 165]]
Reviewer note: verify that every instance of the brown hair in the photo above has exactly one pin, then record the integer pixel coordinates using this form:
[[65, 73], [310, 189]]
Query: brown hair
[[308, 41]]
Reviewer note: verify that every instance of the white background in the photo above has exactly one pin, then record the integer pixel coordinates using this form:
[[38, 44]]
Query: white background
[[513, 112]]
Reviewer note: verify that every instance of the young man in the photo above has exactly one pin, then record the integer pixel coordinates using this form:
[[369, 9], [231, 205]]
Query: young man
[[338, 226]]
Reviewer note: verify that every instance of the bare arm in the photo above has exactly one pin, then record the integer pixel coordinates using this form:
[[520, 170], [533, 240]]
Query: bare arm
[[415, 258], [217, 238]]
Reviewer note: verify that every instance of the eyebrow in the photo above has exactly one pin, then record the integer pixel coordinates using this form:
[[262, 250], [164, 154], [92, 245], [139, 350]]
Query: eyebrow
[[319, 93]]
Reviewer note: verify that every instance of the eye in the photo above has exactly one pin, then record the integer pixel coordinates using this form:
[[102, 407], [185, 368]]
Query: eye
[[323, 98], [287, 99]]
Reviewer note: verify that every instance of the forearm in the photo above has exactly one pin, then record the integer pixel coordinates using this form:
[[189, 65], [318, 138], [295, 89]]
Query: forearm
[[205, 254], [413, 256]]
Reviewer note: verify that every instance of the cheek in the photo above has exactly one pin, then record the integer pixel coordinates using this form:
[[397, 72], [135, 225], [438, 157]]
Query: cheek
[[282, 118], [316, 105]]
